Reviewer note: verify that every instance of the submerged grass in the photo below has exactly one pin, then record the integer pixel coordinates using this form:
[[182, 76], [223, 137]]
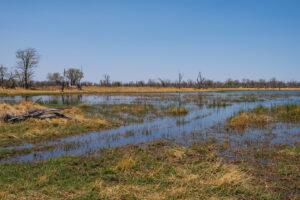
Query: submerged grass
[[91, 117], [37, 130], [262, 115], [217, 104], [175, 111], [123, 113], [158, 171]]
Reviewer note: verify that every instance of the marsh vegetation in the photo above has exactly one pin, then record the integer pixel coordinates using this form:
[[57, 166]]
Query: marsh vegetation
[[235, 145]]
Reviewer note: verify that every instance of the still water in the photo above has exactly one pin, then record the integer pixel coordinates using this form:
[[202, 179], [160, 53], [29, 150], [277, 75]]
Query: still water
[[203, 122]]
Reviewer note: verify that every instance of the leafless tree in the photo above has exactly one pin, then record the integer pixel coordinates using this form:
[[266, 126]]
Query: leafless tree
[[3, 74], [28, 59], [190, 83], [151, 83], [200, 80], [106, 80], [63, 82], [180, 77], [273, 82], [11, 82], [164, 83], [140, 83]]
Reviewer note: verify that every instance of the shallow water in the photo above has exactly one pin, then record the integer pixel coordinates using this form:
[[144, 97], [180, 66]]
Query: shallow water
[[202, 123]]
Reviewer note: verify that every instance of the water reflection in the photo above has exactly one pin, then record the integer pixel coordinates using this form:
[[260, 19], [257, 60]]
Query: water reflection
[[200, 124]]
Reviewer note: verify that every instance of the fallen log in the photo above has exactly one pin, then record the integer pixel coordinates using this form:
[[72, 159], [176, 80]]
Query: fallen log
[[53, 115], [39, 114]]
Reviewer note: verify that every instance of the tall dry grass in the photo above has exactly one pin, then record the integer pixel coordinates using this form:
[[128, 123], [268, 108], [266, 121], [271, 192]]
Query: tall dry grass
[[36, 130], [98, 89]]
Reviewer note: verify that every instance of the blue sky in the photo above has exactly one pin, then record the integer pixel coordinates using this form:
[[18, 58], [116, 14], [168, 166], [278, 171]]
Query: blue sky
[[138, 40]]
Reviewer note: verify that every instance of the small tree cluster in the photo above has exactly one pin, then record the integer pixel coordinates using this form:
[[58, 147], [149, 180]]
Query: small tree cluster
[[22, 74]]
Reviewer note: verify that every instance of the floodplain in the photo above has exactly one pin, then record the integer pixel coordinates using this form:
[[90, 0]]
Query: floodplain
[[175, 145]]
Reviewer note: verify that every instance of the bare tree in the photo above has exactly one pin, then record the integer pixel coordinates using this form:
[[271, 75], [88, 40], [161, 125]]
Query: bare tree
[[180, 77], [28, 60], [3, 73], [273, 82], [11, 82], [63, 82], [200, 80], [106, 80], [162, 82]]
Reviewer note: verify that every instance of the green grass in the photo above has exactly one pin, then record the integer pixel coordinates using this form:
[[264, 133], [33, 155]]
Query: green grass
[[159, 171], [286, 113], [176, 111], [123, 113], [278, 166], [35, 132], [95, 117], [216, 104], [7, 153], [262, 115]]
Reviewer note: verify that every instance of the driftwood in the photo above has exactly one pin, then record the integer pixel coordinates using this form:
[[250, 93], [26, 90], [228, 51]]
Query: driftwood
[[37, 113]]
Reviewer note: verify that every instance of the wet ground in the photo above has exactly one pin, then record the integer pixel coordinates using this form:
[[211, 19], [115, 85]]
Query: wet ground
[[205, 121]]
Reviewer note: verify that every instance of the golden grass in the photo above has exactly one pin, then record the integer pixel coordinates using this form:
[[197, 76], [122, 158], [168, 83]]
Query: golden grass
[[178, 167], [245, 120], [261, 115], [22, 108], [32, 129], [177, 111], [127, 163], [131, 172], [231, 175], [100, 89]]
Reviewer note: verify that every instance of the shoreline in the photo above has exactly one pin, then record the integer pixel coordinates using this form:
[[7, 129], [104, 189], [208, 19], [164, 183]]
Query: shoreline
[[101, 90]]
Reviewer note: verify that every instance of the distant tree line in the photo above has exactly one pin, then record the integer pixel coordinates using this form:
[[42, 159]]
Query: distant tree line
[[27, 60], [202, 83]]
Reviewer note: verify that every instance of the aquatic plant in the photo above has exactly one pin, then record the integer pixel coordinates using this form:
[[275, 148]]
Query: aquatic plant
[[262, 115], [175, 111]]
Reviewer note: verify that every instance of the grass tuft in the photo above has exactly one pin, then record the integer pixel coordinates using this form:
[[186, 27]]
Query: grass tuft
[[261, 116], [175, 111]]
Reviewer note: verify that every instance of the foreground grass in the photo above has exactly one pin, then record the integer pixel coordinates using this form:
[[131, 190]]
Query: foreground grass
[[98, 89], [278, 166], [36, 130], [156, 172], [261, 115]]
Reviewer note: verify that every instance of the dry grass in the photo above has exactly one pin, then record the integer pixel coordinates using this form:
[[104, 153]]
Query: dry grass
[[98, 89], [245, 120], [261, 116], [177, 111], [35, 130], [22, 108], [131, 172]]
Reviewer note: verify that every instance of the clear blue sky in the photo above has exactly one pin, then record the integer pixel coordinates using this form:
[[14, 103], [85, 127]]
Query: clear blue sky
[[138, 40]]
